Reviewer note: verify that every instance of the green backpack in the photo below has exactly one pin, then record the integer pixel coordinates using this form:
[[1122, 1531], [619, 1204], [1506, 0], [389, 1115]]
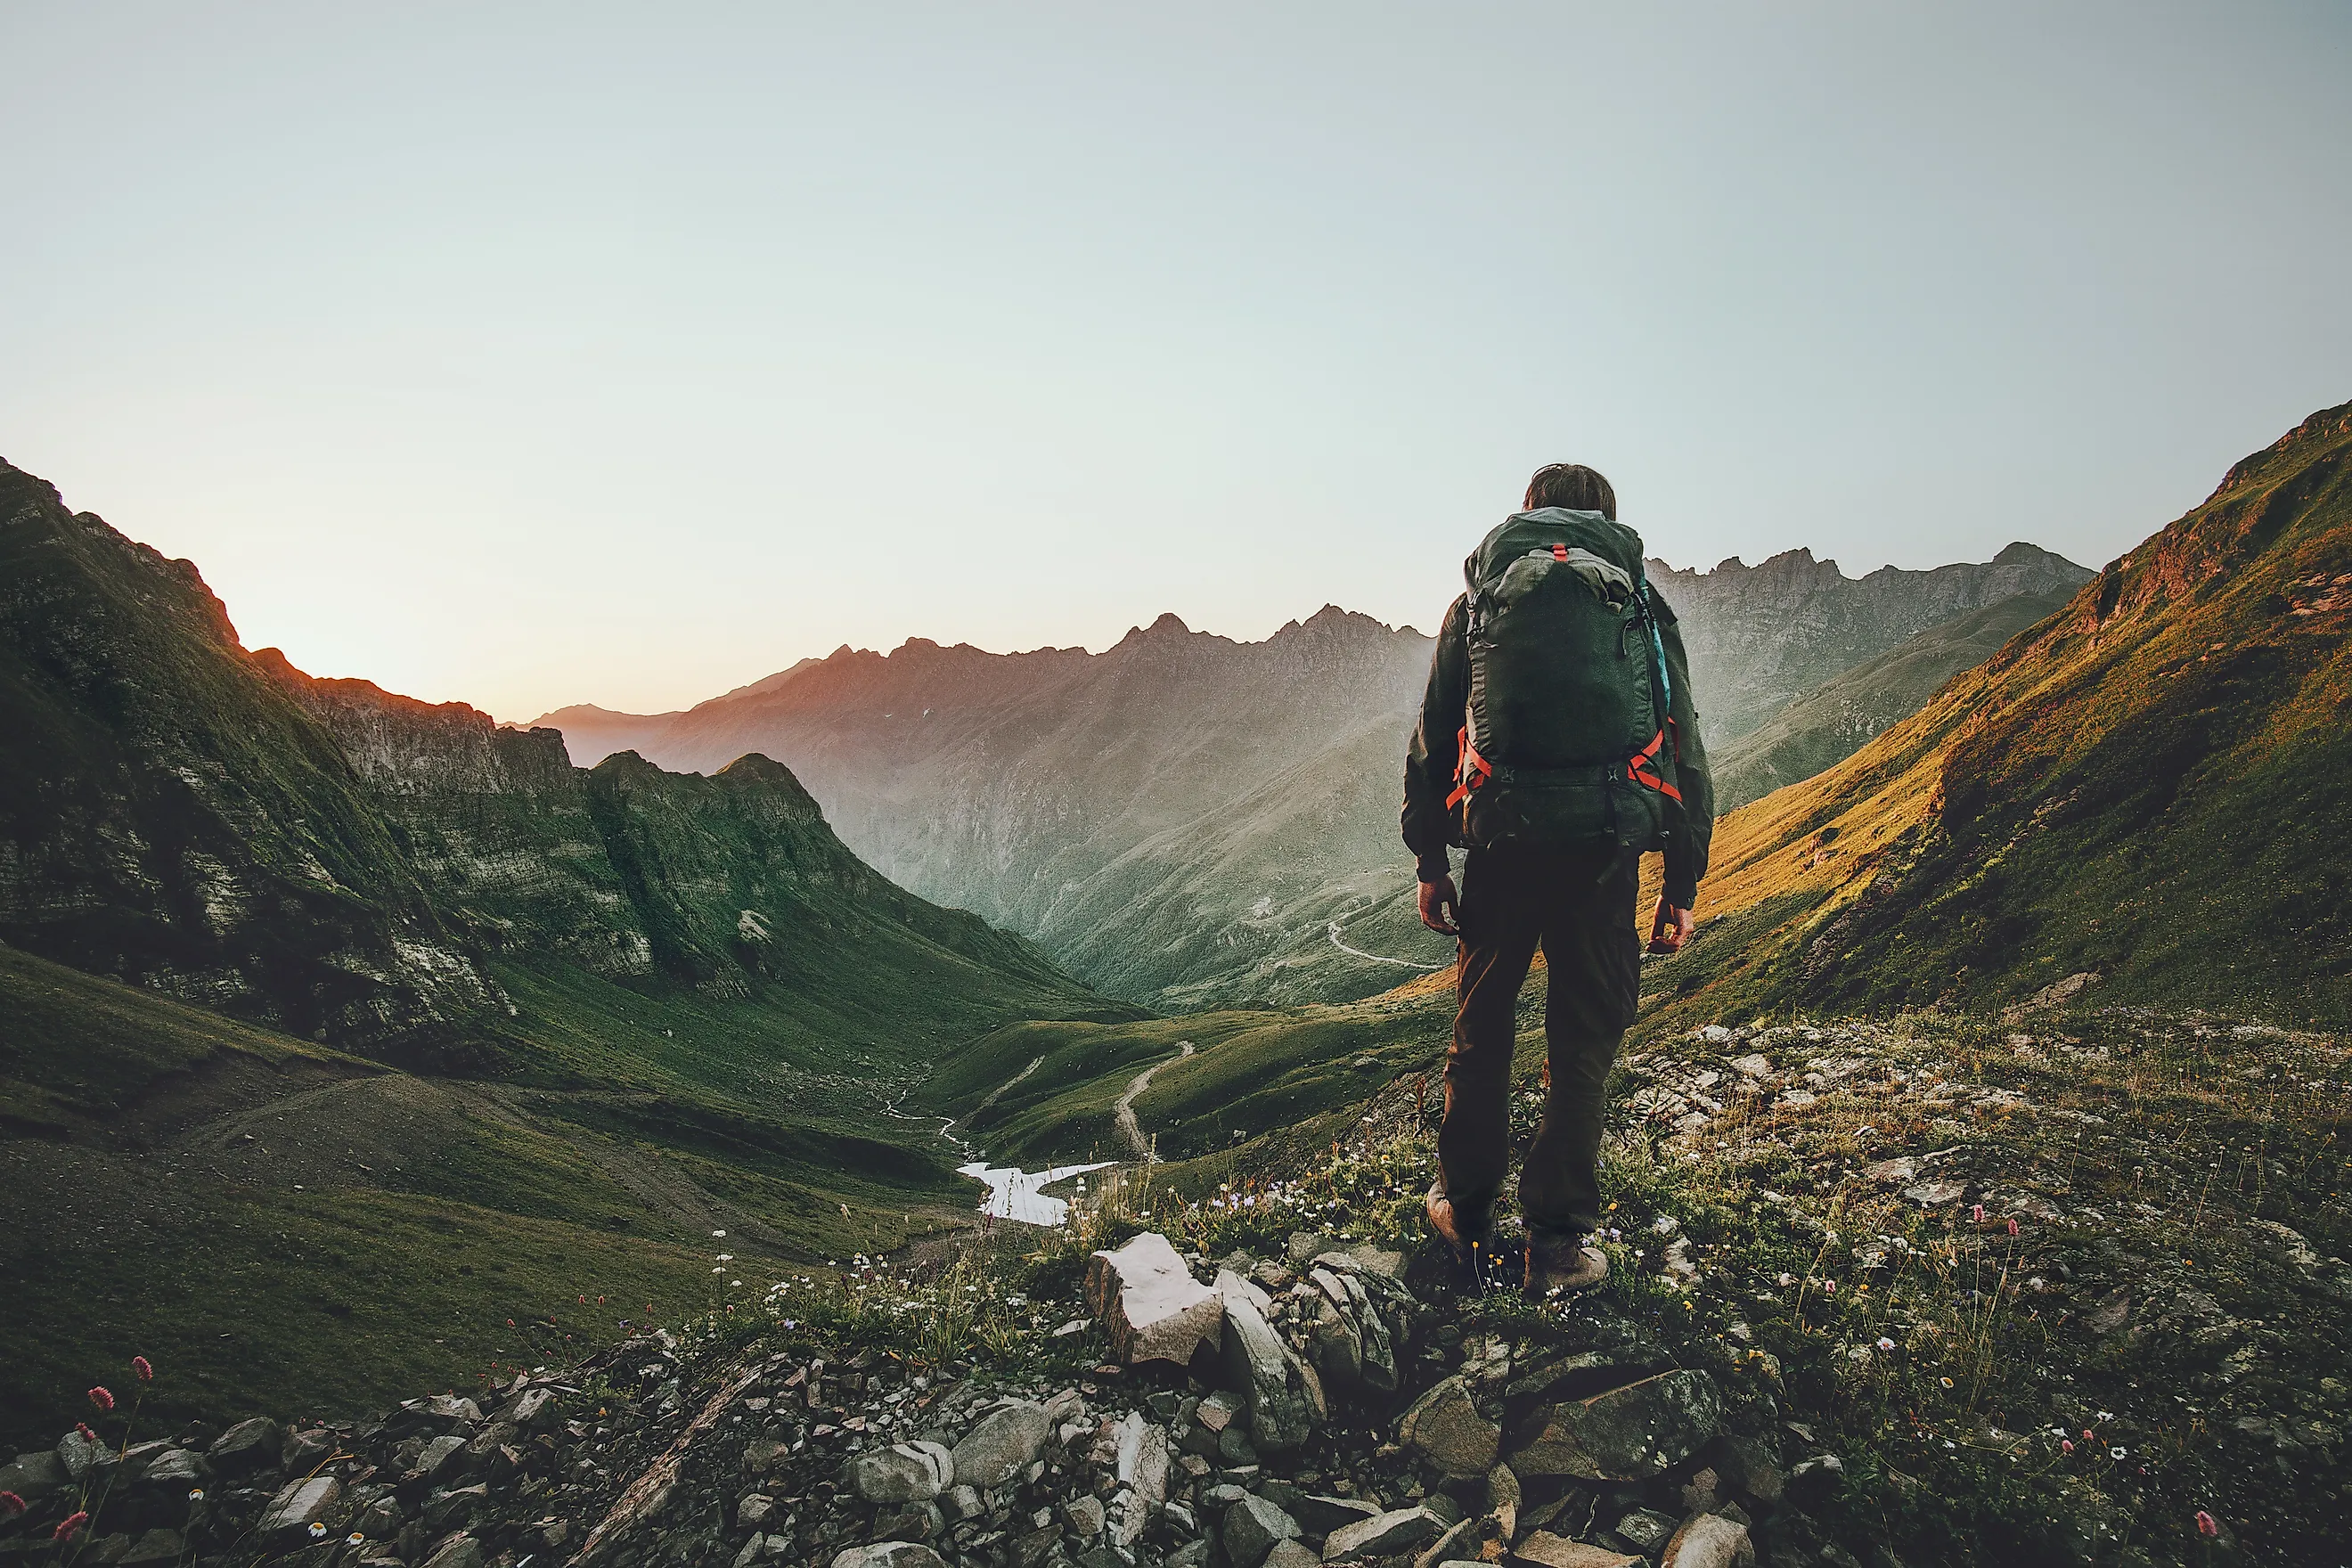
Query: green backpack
[[1566, 738]]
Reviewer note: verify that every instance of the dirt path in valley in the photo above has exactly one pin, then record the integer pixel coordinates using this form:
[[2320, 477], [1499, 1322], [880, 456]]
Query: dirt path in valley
[[1124, 1112]]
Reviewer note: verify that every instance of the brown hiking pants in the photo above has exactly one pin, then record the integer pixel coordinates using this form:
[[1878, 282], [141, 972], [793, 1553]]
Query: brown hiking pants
[[1579, 905]]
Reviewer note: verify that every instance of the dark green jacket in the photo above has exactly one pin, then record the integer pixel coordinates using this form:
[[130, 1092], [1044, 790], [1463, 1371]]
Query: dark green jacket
[[1429, 763]]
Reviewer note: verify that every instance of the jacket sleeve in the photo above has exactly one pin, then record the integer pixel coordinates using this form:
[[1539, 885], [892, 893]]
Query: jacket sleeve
[[1693, 829], [1429, 761]]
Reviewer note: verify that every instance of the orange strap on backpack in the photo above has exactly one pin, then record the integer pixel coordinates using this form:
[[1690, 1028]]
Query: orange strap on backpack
[[1642, 768], [1470, 769]]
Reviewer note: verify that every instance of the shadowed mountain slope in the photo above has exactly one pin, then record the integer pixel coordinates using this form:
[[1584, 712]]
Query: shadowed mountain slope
[[1192, 821]]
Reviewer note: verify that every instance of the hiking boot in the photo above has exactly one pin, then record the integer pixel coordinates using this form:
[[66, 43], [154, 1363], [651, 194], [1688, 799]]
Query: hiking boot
[[1461, 1226], [1559, 1263]]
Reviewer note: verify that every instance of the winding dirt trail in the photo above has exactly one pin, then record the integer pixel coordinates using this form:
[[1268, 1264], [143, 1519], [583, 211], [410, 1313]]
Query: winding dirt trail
[[1124, 1112], [1376, 958]]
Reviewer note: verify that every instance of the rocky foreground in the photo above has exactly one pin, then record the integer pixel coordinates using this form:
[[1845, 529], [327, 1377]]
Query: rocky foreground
[[1933, 1292]]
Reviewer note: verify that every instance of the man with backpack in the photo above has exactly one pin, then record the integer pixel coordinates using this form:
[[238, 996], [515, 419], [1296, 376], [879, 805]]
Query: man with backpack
[[1557, 742]]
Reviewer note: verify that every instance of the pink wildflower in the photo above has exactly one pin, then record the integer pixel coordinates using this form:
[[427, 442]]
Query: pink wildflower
[[2066, 1445], [1978, 1214], [101, 1398], [70, 1526], [2012, 1227], [2205, 1524], [139, 1364], [87, 1435], [11, 1505]]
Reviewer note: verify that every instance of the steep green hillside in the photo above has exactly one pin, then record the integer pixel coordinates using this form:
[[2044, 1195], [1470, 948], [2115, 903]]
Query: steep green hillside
[[2154, 788], [1830, 723]]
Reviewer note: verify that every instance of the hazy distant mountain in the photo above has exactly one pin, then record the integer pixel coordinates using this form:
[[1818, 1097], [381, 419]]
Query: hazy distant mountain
[[1184, 819], [1839, 717]]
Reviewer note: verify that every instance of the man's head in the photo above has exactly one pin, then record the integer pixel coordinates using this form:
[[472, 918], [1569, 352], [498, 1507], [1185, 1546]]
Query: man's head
[[1573, 486]]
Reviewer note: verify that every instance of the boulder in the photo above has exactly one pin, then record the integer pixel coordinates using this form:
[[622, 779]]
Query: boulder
[[532, 1410], [1629, 1433], [903, 1473], [1708, 1541], [889, 1554], [433, 1459], [1282, 1400], [1084, 1515], [1445, 1425], [79, 1455], [1391, 1534], [1001, 1445], [175, 1469], [247, 1446], [464, 1552], [299, 1503], [1149, 1303], [156, 1547], [1251, 1528], [1292, 1554], [33, 1476], [1557, 1551], [1143, 1457]]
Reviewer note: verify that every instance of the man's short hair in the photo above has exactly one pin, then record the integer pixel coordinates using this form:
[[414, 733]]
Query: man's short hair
[[1573, 486]]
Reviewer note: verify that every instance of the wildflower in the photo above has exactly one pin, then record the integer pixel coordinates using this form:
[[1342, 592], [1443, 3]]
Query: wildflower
[[87, 1435], [2012, 1227], [1976, 1214], [2206, 1525], [2117, 1452], [70, 1526], [318, 1531], [11, 1505], [1885, 1344], [1945, 1381], [195, 1494], [355, 1539], [2066, 1445], [101, 1398], [139, 1364]]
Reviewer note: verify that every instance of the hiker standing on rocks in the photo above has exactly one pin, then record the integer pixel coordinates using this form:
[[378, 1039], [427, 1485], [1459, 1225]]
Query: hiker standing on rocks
[[1557, 742]]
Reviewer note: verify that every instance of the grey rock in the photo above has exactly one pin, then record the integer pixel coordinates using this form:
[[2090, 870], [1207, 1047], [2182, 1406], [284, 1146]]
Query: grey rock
[[1461, 1537], [1445, 1425], [1297, 1555], [79, 1455], [435, 1457], [299, 1503], [1195, 1554], [304, 1449], [154, 1547], [1557, 1551], [464, 1552], [903, 1473], [1320, 1515], [33, 1476], [532, 1410], [175, 1467], [1217, 1411], [1633, 1433], [1002, 1445], [1390, 1534], [960, 1503], [754, 1511], [1084, 1515], [453, 1410], [455, 1509], [1143, 1457], [1708, 1541], [889, 1554], [1149, 1303], [247, 1446], [1251, 1528], [1282, 1415], [1646, 1529], [915, 1521]]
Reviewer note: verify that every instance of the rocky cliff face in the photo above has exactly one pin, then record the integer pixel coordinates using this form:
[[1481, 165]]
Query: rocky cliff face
[[1760, 636], [345, 863], [169, 818], [1187, 820]]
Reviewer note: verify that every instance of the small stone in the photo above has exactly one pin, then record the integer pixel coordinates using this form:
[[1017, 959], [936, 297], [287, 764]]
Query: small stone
[[1002, 1445], [1084, 1515], [1445, 1426], [432, 1458], [902, 1473], [960, 1503], [532, 1410], [178, 1469], [464, 1552], [1251, 1528], [1390, 1534], [1291, 1554], [1557, 1551], [1149, 1303], [1194, 1554], [1217, 1411], [247, 1446], [1708, 1541], [889, 1554], [915, 1521], [754, 1511], [156, 1546], [1646, 1529], [299, 1503], [1935, 1194]]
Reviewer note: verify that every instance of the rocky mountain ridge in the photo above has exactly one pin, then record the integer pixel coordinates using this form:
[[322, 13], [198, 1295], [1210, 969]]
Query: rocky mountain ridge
[[1191, 821]]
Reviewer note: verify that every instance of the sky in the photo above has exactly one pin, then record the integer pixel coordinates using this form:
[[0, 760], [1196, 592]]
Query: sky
[[534, 354]]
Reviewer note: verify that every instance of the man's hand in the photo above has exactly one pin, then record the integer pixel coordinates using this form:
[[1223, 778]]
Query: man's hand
[[1441, 907], [1670, 928]]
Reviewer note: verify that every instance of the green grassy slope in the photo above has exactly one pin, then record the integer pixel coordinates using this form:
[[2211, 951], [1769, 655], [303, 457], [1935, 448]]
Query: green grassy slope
[[1830, 723]]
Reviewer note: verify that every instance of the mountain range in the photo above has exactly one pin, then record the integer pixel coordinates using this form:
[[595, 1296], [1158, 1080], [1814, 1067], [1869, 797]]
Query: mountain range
[[1188, 821]]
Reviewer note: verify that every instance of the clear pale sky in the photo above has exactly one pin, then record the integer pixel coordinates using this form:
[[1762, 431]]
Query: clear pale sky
[[539, 354]]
